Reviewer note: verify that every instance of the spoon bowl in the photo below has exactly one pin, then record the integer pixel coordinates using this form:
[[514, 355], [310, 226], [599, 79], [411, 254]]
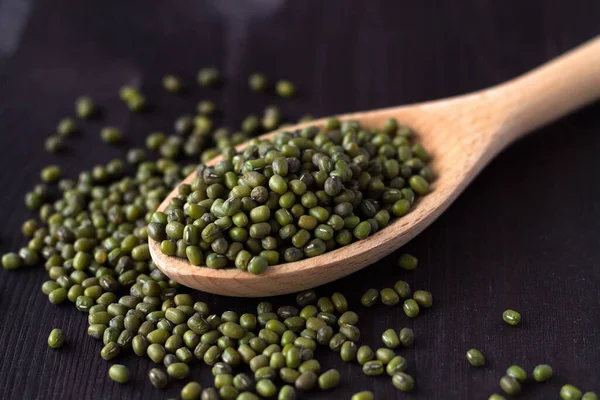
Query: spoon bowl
[[462, 134]]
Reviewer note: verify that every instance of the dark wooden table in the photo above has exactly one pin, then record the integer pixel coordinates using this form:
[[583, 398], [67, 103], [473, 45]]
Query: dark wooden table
[[524, 235]]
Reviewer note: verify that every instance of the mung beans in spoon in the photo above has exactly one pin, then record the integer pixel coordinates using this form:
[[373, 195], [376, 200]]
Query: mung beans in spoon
[[295, 196]]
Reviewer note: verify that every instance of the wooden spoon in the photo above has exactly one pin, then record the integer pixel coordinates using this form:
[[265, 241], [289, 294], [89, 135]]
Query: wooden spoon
[[462, 133]]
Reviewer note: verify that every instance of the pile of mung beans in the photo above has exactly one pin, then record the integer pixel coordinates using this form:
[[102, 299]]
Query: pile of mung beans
[[310, 190], [295, 196]]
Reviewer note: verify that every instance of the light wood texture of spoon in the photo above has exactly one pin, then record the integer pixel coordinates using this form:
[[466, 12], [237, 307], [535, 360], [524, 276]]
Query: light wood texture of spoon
[[462, 133]]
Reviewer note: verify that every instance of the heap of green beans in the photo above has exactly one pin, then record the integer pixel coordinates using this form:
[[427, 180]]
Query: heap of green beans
[[92, 239], [295, 196]]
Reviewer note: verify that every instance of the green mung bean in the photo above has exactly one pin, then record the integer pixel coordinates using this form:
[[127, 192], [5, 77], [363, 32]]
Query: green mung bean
[[511, 317], [266, 388], [390, 338], [542, 372], [570, 392], [517, 372], [396, 364], [406, 337], [475, 358], [407, 262], [384, 355], [85, 107], [172, 83], [423, 298], [370, 297], [66, 127], [373, 368], [111, 134], [348, 351], [403, 289], [53, 144], [257, 82], [285, 88], [365, 395], [510, 385], [208, 77], [13, 261], [110, 351], [210, 394], [286, 392], [158, 378], [51, 174], [403, 382], [56, 338], [119, 373], [411, 308], [329, 379], [178, 370], [306, 381], [364, 354]]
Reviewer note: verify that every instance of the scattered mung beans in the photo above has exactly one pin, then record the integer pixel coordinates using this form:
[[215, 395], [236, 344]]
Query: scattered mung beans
[[293, 197]]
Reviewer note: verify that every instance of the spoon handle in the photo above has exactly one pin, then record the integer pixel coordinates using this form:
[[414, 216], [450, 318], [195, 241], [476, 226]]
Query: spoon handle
[[546, 93]]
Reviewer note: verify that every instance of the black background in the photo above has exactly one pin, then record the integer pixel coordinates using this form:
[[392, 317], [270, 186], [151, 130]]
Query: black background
[[524, 235]]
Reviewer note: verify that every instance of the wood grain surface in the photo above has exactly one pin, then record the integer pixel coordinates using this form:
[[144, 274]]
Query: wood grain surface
[[525, 235]]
